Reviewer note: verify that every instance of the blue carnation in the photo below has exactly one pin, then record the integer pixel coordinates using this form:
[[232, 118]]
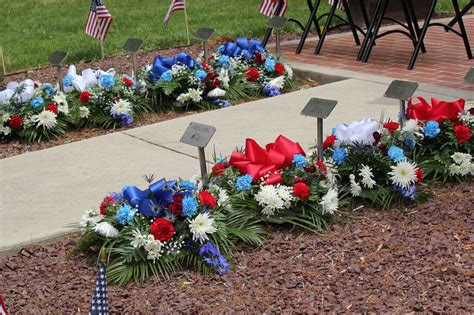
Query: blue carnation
[[408, 193], [224, 60], [126, 120], [431, 129], [213, 257], [189, 206], [339, 155], [200, 74], [269, 65], [299, 161], [68, 81], [243, 183], [187, 185], [49, 88], [271, 91], [221, 103], [166, 76], [396, 153], [410, 143], [37, 102], [107, 81], [221, 48], [126, 214]]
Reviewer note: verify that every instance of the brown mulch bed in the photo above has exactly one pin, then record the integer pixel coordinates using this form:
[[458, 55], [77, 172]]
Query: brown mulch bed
[[418, 259]]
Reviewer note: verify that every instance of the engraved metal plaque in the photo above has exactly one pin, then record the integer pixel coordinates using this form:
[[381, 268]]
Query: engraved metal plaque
[[469, 78], [319, 107], [204, 33], [277, 22], [198, 135], [401, 90], [133, 45], [57, 58]]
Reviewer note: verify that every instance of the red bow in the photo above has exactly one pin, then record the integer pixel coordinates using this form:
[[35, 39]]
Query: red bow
[[438, 111], [259, 162]]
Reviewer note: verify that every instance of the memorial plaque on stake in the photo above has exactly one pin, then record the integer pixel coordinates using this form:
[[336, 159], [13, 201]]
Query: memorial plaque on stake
[[469, 78], [401, 90], [198, 135], [277, 22], [133, 45], [57, 58], [204, 33]]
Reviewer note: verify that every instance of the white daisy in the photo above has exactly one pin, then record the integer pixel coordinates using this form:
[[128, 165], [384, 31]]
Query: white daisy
[[121, 107], [84, 112], [201, 226], [367, 176], [195, 95], [106, 229], [153, 255], [355, 187], [217, 92], [278, 82], [90, 218], [152, 245], [403, 174], [139, 240], [330, 202], [46, 119], [183, 98]]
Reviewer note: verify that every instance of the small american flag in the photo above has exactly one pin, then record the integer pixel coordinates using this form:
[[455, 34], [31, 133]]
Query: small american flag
[[99, 20], [339, 4], [100, 300], [174, 6], [3, 309], [269, 7]]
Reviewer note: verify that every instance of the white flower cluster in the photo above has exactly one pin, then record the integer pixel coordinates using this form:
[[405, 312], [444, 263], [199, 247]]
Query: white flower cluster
[[178, 70], [278, 82], [60, 100], [273, 198], [201, 226], [356, 190], [330, 202], [367, 176], [173, 247], [121, 107], [462, 164], [192, 95], [223, 197], [466, 118], [45, 119], [154, 248], [403, 174], [90, 218], [106, 230], [5, 130]]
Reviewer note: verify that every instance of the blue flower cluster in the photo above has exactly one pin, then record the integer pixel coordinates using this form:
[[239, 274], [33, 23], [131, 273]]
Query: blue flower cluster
[[189, 206], [213, 258], [166, 76], [299, 161], [396, 153], [221, 103], [126, 214], [431, 129], [408, 193], [37, 102], [67, 81], [224, 60], [271, 91], [187, 185], [125, 120], [269, 65], [221, 48], [339, 155], [107, 81], [200, 74], [410, 143], [49, 88], [243, 183]]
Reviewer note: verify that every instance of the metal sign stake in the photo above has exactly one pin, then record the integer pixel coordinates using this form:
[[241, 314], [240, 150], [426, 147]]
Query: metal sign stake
[[402, 118], [56, 59], [206, 52], [203, 165], [132, 46], [277, 42], [277, 23], [60, 78], [320, 139], [401, 91], [204, 34]]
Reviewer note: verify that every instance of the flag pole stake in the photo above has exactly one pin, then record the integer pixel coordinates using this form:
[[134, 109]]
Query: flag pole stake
[[187, 26], [102, 48], [3, 62]]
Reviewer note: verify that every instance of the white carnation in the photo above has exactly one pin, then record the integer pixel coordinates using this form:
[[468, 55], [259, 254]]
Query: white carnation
[[84, 112], [90, 218], [330, 202], [5, 130], [278, 82], [355, 187], [367, 176], [106, 229], [273, 198]]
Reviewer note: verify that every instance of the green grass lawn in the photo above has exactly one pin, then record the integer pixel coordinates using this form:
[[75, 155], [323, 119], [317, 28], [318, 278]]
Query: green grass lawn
[[32, 29]]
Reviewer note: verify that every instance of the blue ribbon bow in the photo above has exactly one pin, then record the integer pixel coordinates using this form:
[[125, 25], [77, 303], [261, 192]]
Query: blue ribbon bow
[[158, 194], [242, 47], [162, 64]]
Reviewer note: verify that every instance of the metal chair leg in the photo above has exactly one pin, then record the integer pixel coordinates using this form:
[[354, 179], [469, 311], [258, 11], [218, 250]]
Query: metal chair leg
[[326, 27], [378, 23], [412, 12], [308, 27], [409, 20], [351, 22], [463, 11], [421, 38], [462, 28], [370, 29]]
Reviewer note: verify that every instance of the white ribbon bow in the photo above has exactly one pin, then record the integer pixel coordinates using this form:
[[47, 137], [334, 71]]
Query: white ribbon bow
[[23, 91], [88, 78], [357, 131]]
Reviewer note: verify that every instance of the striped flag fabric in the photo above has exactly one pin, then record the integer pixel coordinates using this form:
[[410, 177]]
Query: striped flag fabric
[[99, 20], [3, 309], [269, 7], [340, 6], [100, 300], [174, 6]]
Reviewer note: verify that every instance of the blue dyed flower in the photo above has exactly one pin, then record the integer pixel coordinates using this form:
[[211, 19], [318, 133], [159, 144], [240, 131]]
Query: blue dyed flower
[[299, 161], [221, 160], [126, 214], [339, 155], [221, 48], [408, 193], [271, 91], [396, 153], [333, 130], [49, 88], [166, 76], [410, 143], [269, 65], [107, 81], [189, 206], [37, 102], [116, 196], [200, 74], [224, 60], [126, 120], [221, 103], [68, 81], [243, 183], [187, 185], [431, 129], [213, 257]]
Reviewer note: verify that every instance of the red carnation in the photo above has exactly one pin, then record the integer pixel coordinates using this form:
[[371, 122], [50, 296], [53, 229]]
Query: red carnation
[[280, 69], [205, 66], [127, 81], [391, 126], [329, 142], [176, 208], [463, 133], [178, 198], [16, 121], [300, 179], [383, 149], [85, 97], [162, 230], [301, 190], [219, 168], [419, 175], [211, 76], [323, 168], [216, 83], [107, 202], [207, 199], [52, 108], [259, 58], [310, 169], [252, 74]]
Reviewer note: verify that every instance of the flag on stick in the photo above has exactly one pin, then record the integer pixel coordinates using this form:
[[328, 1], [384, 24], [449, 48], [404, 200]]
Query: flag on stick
[[174, 6], [269, 7], [100, 300], [99, 20], [340, 6], [3, 309]]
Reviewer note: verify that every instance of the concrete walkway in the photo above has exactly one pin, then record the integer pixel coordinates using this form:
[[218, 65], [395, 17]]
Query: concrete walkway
[[44, 193]]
